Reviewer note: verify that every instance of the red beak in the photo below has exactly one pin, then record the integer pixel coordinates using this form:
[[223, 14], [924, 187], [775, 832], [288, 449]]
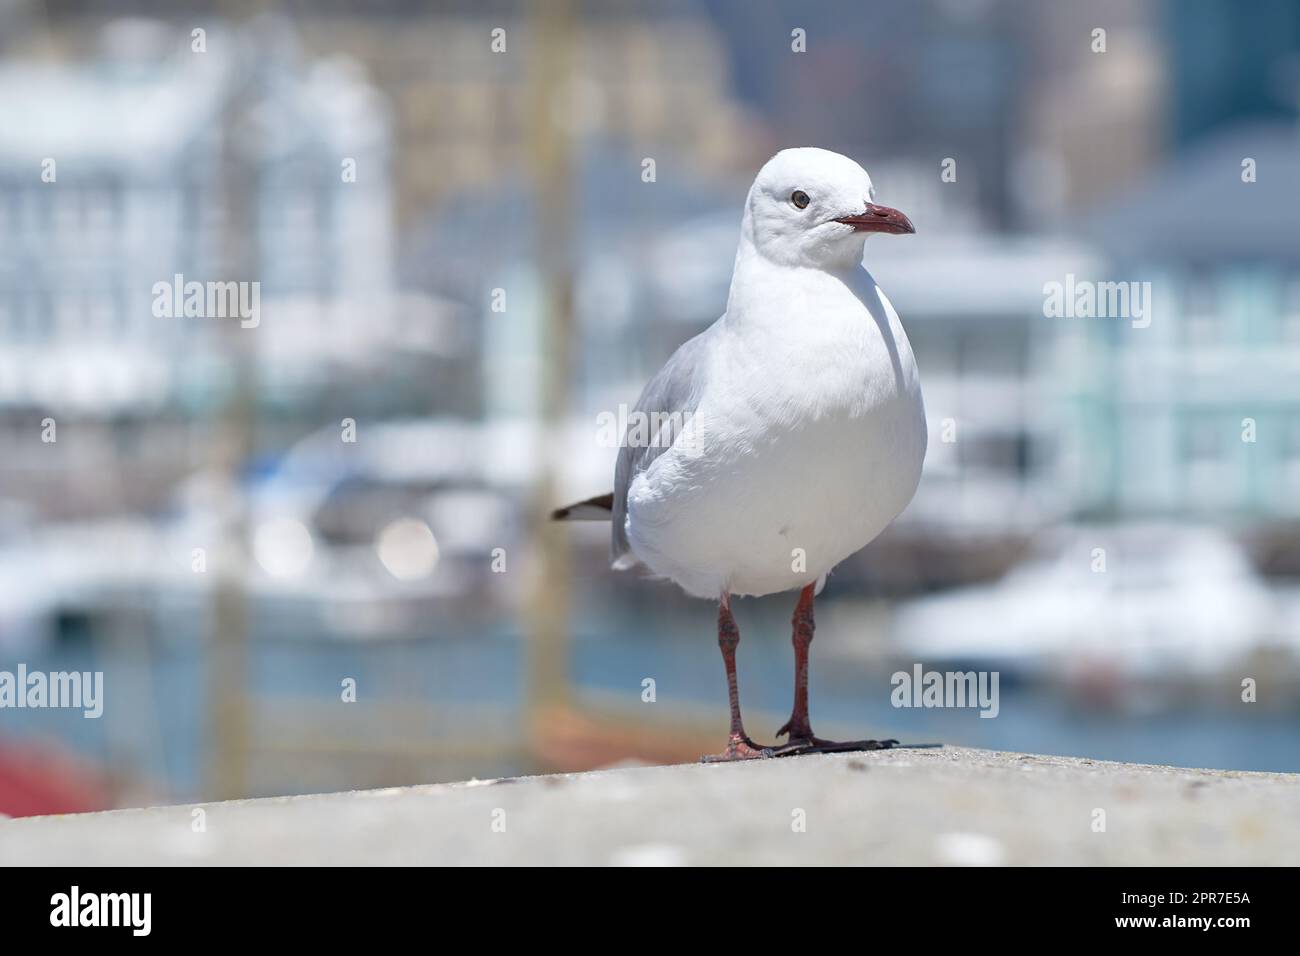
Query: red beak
[[880, 219]]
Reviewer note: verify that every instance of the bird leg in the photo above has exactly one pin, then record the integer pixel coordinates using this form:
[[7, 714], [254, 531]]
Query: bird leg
[[739, 746], [802, 739], [801, 636]]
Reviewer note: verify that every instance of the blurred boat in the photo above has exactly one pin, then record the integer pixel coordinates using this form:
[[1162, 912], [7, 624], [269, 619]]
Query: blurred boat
[[382, 537], [385, 534], [46, 778], [1143, 602]]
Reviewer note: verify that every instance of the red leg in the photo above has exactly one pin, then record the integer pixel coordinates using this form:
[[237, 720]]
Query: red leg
[[798, 726], [739, 746], [801, 636]]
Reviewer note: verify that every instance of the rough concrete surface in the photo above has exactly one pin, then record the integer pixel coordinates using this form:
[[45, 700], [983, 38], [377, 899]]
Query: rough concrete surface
[[944, 806]]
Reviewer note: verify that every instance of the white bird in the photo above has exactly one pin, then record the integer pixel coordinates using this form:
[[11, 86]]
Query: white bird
[[788, 434]]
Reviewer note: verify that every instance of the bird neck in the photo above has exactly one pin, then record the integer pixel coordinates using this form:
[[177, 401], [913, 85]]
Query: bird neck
[[764, 292], [840, 257], [754, 269]]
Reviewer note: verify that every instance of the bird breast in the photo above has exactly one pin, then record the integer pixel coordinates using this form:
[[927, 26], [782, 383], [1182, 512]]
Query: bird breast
[[811, 438]]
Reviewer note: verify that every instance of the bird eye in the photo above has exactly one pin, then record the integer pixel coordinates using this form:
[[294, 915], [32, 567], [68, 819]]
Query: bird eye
[[800, 199]]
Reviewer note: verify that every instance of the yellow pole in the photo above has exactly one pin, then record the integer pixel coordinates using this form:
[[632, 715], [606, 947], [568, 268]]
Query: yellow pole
[[228, 700], [550, 149]]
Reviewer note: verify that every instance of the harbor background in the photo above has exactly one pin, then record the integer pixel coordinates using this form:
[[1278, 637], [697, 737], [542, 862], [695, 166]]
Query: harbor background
[[472, 244]]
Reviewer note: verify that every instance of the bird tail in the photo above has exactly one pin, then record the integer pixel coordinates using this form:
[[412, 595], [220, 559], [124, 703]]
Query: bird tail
[[599, 508]]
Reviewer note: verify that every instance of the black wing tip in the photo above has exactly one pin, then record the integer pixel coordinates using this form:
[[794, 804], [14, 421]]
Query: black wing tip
[[603, 502]]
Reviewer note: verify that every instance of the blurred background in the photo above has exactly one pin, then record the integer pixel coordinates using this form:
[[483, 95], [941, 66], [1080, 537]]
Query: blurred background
[[310, 555]]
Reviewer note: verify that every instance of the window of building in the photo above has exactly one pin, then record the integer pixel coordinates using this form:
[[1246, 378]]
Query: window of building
[[1208, 470], [1291, 311], [1202, 311]]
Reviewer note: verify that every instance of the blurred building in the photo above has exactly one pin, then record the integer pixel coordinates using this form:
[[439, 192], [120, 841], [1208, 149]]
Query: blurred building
[[1094, 118], [655, 81], [147, 149], [1228, 68], [150, 162], [973, 308], [1199, 413]]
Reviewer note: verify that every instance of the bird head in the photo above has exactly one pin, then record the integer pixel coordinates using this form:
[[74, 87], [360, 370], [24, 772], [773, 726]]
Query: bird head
[[814, 208]]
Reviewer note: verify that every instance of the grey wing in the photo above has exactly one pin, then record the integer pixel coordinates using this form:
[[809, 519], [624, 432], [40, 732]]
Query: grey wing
[[668, 401]]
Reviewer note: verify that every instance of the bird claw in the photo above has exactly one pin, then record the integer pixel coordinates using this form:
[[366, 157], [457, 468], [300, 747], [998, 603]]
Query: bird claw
[[802, 732], [816, 745], [740, 748]]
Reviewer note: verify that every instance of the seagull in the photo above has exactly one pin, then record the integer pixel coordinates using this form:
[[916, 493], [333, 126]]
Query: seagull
[[787, 435]]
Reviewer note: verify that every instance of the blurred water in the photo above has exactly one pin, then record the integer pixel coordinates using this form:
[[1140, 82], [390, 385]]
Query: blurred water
[[855, 698], [154, 713], [153, 724]]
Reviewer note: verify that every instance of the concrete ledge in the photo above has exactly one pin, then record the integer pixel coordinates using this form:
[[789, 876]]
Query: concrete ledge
[[949, 806]]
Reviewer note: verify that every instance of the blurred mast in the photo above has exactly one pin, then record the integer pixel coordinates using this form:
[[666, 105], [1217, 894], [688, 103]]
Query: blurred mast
[[550, 152], [229, 703]]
